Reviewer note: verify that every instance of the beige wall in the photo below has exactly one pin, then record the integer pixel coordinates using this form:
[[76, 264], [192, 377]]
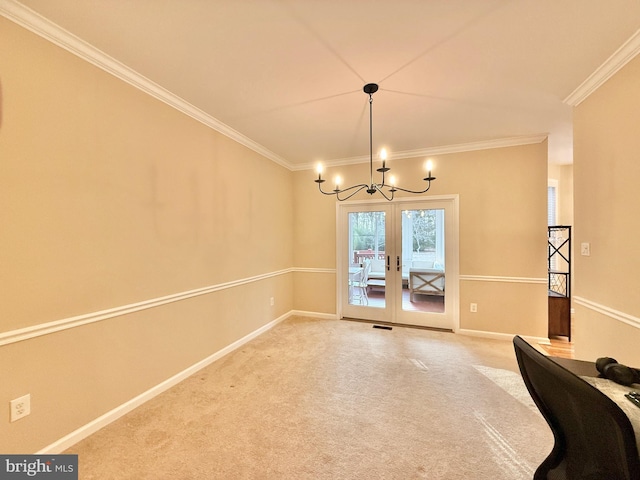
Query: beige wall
[[606, 172], [109, 198], [502, 233]]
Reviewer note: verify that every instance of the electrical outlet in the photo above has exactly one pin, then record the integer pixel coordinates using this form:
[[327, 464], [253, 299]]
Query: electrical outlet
[[20, 407], [473, 307], [585, 249], [273, 301]]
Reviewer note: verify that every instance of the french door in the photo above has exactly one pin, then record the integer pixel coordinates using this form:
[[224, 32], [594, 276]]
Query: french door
[[398, 262]]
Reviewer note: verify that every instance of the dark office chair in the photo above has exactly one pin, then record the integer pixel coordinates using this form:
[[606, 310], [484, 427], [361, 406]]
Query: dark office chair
[[594, 439]]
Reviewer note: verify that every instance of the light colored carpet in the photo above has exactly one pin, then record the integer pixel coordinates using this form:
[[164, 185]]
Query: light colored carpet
[[331, 399]]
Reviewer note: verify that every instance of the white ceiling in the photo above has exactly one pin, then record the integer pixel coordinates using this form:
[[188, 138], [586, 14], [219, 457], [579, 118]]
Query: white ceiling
[[288, 74]]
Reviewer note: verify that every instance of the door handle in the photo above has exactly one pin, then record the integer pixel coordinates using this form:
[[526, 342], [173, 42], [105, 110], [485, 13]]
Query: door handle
[[397, 263], [388, 263]]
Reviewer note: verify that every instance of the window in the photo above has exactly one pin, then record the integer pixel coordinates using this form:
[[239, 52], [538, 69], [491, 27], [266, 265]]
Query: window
[[552, 202]]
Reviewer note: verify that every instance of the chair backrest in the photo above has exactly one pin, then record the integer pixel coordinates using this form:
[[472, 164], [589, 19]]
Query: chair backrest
[[593, 437], [421, 264], [365, 273], [377, 265]]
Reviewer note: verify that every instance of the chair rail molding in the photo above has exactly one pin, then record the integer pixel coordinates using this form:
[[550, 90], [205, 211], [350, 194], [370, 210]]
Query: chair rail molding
[[609, 312], [314, 270], [487, 278], [33, 331]]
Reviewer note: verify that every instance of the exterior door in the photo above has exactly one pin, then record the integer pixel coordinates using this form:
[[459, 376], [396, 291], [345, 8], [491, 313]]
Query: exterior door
[[398, 262], [427, 255], [365, 262]]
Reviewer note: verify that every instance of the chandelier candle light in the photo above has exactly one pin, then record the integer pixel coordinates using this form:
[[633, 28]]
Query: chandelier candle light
[[372, 187]]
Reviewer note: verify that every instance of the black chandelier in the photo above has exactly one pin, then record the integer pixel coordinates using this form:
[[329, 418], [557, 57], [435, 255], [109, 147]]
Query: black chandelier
[[372, 187]]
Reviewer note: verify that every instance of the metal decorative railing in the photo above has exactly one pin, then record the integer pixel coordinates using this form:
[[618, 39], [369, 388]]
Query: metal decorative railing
[[559, 260]]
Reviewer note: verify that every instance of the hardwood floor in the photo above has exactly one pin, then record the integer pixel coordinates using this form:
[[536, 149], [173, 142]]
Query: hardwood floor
[[560, 347]]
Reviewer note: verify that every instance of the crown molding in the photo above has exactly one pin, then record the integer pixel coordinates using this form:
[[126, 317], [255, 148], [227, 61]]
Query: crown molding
[[615, 62], [41, 26], [36, 23], [441, 150]]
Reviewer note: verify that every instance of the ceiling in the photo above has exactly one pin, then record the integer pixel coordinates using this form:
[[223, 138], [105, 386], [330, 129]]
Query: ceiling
[[288, 74]]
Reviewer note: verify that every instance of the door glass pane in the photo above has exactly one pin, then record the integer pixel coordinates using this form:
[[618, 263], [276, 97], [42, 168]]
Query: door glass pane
[[423, 267], [367, 259]]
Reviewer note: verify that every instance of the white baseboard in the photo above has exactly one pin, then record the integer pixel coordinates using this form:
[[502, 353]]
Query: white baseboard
[[83, 432], [502, 336], [324, 316]]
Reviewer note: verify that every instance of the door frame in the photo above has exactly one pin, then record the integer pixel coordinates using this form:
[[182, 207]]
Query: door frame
[[453, 260]]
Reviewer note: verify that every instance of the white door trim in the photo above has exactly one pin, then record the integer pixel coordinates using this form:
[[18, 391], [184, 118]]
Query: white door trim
[[453, 262]]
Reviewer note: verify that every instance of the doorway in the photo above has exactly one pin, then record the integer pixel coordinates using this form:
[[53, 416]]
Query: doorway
[[398, 262]]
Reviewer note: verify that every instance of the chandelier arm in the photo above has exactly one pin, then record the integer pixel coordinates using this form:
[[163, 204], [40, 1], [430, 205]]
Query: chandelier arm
[[359, 188], [323, 192], [339, 191], [379, 189], [415, 191]]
